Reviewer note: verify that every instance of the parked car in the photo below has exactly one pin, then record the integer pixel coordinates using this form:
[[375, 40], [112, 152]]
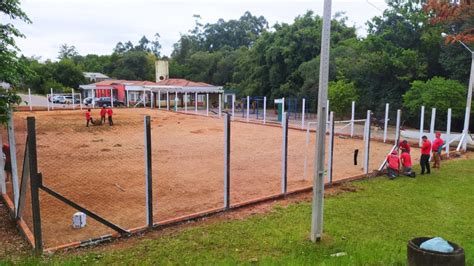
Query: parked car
[[57, 98], [105, 101], [88, 100]]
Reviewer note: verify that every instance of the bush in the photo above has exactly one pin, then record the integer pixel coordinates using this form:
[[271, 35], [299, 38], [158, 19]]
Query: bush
[[341, 94], [436, 93]]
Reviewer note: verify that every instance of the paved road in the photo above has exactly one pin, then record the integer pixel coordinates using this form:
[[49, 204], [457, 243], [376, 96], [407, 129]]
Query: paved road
[[40, 101]]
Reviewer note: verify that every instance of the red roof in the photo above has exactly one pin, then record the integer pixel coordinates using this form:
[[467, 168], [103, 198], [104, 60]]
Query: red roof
[[183, 83], [168, 82], [110, 82]]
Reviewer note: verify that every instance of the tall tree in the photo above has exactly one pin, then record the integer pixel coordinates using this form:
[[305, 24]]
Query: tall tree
[[67, 51], [457, 17], [11, 66]]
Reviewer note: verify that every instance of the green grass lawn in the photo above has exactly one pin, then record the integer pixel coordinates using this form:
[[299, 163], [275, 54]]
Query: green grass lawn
[[371, 225]]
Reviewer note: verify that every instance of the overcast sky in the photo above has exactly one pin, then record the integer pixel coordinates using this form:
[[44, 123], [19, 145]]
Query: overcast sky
[[95, 26]]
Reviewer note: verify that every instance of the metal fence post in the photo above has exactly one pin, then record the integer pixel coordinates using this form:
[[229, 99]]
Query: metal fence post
[[327, 111], [265, 109], [227, 161], [148, 173], [331, 146], [284, 155], [367, 143], [35, 183], [248, 107], [168, 100]]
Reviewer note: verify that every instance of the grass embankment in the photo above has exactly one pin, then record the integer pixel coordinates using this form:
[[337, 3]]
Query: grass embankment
[[371, 225]]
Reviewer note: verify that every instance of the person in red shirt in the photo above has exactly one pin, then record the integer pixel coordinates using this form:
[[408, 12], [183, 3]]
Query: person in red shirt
[[393, 164], [404, 145], [110, 113], [103, 112], [436, 149], [425, 155], [8, 161], [89, 118], [405, 159]]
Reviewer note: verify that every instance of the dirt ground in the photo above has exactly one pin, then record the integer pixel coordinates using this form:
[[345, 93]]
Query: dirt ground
[[103, 169]]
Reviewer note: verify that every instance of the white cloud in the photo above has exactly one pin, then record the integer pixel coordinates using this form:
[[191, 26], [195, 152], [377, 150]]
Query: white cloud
[[95, 26]]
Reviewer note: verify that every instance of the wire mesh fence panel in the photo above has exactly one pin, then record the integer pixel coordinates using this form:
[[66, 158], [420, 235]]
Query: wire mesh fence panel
[[188, 161], [100, 167], [255, 161], [300, 158]]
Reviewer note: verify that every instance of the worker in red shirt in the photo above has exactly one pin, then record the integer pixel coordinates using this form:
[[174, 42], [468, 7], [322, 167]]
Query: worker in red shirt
[[393, 164], [109, 114], [8, 161], [436, 149], [89, 118], [405, 159], [425, 155], [404, 145], [103, 112]]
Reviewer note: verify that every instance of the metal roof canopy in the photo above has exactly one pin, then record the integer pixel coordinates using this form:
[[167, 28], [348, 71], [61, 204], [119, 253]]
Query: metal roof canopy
[[181, 89]]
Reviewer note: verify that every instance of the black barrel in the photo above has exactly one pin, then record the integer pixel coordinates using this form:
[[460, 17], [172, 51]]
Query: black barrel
[[418, 257]]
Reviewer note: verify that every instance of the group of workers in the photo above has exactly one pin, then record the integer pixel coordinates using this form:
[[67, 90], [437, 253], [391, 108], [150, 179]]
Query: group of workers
[[103, 112], [430, 151]]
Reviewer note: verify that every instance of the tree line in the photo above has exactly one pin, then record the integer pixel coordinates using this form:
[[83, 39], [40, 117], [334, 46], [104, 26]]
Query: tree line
[[402, 61]]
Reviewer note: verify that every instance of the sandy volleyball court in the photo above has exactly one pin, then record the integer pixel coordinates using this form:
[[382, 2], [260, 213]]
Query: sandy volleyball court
[[103, 169]]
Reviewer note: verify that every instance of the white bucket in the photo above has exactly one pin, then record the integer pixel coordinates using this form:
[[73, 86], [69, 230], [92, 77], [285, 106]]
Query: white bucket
[[78, 220]]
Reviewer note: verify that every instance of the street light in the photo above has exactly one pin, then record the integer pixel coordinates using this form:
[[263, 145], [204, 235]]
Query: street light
[[469, 95]]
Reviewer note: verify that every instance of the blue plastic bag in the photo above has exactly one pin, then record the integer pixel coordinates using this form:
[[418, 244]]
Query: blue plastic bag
[[437, 244]]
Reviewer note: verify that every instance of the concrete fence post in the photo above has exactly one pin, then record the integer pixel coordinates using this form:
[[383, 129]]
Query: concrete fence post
[[367, 143], [422, 123], [284, 155], [448, 132], [433, 120], [385, 126], [29, 99], [352, 118], [303, 113], [331, 146]]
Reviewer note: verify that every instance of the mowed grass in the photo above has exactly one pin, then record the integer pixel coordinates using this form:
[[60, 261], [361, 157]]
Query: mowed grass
[[372, 226]]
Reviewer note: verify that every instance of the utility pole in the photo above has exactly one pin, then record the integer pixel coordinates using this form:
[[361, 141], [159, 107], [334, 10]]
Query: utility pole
[[318, 178]]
